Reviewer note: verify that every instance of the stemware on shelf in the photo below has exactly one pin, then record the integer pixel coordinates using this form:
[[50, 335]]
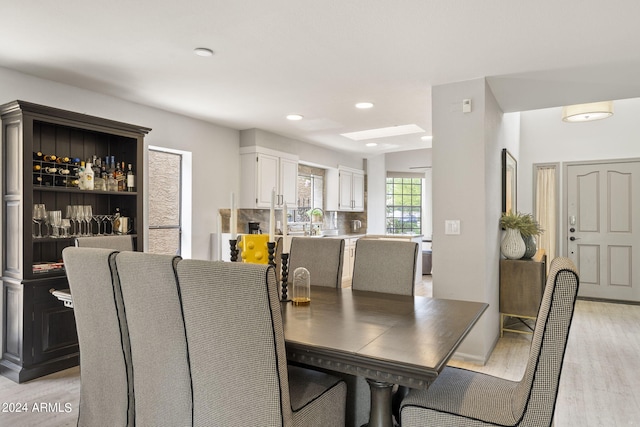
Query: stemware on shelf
[[55, 221], [88, 217], [65, 224], [39, 215]]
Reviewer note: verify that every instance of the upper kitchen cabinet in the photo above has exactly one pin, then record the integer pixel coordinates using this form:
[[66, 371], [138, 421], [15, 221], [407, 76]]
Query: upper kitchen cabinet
[[345, 189], [263, 170]]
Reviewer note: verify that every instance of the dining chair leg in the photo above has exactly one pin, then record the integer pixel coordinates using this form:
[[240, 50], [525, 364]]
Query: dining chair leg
[[381, 396]]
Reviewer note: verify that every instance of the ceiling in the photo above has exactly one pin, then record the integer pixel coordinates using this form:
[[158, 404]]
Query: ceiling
[[318, 58]]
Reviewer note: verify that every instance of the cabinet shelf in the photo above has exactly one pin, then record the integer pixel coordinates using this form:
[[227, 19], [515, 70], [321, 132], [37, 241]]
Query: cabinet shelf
[[77, 190], [40, 333]]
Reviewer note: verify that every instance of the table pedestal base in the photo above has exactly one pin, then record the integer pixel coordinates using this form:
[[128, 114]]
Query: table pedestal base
[[381, 396]]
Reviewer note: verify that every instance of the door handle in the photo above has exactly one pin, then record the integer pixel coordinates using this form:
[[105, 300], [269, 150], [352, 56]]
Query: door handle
[[574, 238]]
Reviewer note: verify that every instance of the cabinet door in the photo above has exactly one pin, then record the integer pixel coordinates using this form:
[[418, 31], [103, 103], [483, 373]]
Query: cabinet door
[[357, 192], [289, 182], [266, 179], [346, 183]]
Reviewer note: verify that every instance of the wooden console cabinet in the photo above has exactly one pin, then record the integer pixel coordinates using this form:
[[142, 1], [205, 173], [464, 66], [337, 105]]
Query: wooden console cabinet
[[38, 331], [522, 283]]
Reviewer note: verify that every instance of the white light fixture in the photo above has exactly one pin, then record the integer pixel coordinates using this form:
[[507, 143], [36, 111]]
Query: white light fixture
[[383, 132], [371, 144], [294, 117], [203, 51], [587, 112], [426, 138], [364, 105]]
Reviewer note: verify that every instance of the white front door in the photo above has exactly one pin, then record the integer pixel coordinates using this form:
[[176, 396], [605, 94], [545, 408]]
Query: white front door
[[603, 228]]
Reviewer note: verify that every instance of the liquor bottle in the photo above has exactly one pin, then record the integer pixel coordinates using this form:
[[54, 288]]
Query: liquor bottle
[[120, 177], [112, 184], [49, 158], [37, 155], [86, 178], [112, 165], [131, 179]]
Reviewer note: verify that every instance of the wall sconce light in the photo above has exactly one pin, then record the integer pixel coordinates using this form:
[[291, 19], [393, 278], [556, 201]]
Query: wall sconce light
[[587, 112]]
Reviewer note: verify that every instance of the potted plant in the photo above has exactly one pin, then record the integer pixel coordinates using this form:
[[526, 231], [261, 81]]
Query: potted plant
[[512, 245], [529, 228], [315, 214], [519, 240]]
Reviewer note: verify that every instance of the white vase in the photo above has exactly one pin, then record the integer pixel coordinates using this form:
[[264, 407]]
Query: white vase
[[512, 245]]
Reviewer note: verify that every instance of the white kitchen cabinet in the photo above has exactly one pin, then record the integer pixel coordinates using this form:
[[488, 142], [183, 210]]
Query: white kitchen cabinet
[[262, 170], [345, 189]]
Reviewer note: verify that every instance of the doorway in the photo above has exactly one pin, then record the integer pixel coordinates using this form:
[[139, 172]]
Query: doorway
[[603, 229]]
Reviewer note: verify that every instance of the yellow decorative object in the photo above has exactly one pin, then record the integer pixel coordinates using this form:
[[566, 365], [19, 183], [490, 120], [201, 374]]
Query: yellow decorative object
[[254, 248]]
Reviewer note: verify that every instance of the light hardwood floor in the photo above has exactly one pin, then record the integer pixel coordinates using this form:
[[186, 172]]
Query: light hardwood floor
[[600, 384]]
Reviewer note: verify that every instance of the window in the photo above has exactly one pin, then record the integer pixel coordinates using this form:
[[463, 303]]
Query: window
[[404, 205], [166, 184]]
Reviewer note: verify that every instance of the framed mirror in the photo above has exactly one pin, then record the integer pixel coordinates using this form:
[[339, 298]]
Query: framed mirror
[[509, 182]]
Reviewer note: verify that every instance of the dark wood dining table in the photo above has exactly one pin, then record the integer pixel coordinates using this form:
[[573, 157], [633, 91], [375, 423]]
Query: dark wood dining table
[[387, 339]]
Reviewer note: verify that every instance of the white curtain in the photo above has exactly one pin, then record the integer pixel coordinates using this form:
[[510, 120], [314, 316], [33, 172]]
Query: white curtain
[[546, 209]]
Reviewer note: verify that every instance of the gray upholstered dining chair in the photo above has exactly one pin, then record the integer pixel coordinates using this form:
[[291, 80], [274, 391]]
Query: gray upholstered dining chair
[[459, 397], [323, 257], [237, 354], [161, 377], [387, 266], [118, 243], [106, 386]]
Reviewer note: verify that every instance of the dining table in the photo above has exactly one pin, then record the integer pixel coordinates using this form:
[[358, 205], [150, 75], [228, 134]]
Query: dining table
[[385, 338]]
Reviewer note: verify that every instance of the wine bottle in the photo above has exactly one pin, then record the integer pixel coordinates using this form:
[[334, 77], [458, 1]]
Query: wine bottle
[[131, 179], [63, 160], [37, 155], [49, 158], [37, 168]]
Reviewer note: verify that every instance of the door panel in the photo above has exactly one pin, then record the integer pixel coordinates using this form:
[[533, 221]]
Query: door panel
[[603, 200]]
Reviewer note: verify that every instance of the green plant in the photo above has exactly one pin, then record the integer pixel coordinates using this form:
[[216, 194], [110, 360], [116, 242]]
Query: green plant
[[314, 211], [523, 222], [529, 226], [511, 220]]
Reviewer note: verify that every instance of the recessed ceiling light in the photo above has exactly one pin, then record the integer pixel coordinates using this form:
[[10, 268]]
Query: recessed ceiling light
[[383, 132], [371, 144], [294, 117], [203, 51], [364, 105]]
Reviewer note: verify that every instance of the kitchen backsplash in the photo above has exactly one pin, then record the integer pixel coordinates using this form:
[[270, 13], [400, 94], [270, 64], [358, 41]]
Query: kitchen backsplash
[[344, 220]]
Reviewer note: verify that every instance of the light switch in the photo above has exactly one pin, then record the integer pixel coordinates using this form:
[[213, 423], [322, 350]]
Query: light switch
[[466, 105], [452, 226]]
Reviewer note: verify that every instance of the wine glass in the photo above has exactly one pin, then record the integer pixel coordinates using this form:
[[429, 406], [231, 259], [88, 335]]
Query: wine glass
[[75, 216], [88, 217], [55, 220], [66, 225], [39, 215], [105, 220], [98, 219], [69, 215]]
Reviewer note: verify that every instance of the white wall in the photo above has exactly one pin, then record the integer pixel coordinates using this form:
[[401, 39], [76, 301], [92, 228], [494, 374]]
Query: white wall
[[376, 199], [213, 180], [545, 138], [467, 187]]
